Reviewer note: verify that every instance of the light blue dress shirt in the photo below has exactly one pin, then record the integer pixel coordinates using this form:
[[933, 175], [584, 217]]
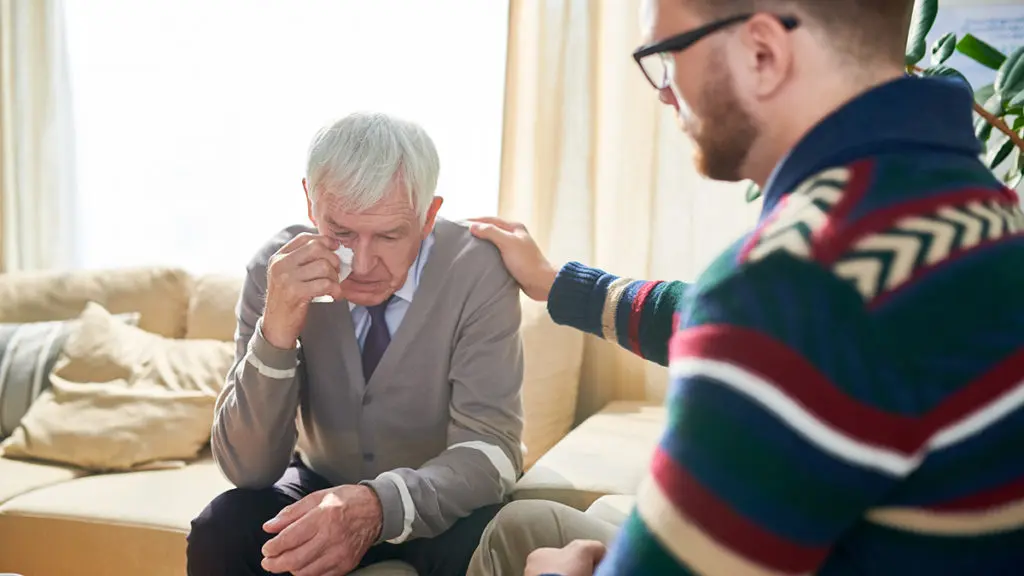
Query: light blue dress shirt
[[403, 297]]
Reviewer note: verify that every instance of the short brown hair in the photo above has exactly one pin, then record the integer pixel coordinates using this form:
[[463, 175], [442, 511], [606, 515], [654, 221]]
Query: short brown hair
[[864, 29]]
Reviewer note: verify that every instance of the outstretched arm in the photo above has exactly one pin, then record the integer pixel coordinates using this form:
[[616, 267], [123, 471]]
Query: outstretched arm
[[638, 315]]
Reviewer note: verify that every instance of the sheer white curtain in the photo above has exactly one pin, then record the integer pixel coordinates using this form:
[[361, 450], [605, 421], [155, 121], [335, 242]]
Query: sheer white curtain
[[36, 148], [193, 116]]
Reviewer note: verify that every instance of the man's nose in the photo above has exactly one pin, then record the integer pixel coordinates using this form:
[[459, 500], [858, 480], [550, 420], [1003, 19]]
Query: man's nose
[[667, 97], [362, 260]]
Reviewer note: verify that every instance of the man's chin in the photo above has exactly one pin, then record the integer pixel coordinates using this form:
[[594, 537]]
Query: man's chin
[[366, 294]]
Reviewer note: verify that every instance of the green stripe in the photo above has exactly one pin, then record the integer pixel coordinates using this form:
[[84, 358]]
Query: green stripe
[[656, 326], [637, 551]]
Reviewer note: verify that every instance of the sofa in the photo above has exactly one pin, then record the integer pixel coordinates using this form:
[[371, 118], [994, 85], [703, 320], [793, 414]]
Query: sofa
[[58, 520]]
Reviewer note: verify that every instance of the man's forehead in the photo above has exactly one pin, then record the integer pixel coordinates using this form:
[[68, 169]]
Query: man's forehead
[[392, 211]]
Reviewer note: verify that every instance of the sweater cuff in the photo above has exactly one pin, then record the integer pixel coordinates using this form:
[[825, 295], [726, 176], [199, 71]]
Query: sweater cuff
[[577, 297], [272, 357], [396, 506]]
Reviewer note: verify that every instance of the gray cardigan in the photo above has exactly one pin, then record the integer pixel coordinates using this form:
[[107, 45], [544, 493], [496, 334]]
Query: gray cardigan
[[436, 431]]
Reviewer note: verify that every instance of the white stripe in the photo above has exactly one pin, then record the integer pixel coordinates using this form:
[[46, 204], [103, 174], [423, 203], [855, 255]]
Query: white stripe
[[498, 458], [5, 367], [795, 416], [267, 371], [979, 420], [408, 508], [44, 353]]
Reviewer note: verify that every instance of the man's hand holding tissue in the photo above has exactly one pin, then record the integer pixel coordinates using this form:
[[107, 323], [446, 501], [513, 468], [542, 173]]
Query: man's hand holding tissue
[[325, 533], [522, 257], [305, 268]]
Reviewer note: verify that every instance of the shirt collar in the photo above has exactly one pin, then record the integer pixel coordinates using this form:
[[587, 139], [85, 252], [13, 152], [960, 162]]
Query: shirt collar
[[921, 113]]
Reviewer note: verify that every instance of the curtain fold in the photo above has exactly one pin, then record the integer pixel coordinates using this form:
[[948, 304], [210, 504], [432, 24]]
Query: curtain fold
[[599, 171], [36, 144]]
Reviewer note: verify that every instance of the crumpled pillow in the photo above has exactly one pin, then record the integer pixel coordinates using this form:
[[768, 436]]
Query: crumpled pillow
[[122, 398]]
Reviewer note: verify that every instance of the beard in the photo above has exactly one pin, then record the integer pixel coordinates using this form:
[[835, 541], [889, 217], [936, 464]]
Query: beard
[[723, 132]]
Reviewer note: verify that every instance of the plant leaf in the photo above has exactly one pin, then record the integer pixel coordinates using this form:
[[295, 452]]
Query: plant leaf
[[753, 192], [943, 48], [1014, 181], [1016, 102], [983, 130], [1010, 78], [916, 40], [981, 95], [1002, 153], [1018, 123], [980, 52], [994, 106], [946, 71]]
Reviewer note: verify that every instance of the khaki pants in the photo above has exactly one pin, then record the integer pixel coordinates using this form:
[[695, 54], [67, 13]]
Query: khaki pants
[[526, 525]]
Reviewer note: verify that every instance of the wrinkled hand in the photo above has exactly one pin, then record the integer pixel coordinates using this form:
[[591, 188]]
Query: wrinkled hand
[[304, 268], [579, 558], [521, 255], [324, 534]]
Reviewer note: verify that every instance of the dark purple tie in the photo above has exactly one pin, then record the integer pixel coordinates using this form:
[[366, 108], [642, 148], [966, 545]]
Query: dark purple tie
[[377, 339]]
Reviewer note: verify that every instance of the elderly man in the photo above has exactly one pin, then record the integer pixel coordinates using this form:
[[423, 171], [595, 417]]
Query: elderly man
[[846, 391], [384, 424]]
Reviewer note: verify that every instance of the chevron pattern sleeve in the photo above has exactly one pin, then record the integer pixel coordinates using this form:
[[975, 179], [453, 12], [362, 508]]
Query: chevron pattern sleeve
[[760, 390], [636, 314]]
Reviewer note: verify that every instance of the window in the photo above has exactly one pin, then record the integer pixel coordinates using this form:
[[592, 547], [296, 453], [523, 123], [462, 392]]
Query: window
[[192, 117]]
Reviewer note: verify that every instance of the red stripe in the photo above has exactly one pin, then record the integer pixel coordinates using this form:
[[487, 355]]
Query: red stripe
[[860, 180], [1005, 494], [636, 311], [984, 390], [919, 273], [801, 381], [837, 239], [727, 526]]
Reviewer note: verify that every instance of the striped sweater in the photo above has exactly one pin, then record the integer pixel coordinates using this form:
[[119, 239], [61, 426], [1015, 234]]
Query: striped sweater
[[846, 380]]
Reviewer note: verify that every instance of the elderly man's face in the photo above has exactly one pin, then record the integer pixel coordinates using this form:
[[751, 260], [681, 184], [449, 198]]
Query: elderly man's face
[[385, 238]]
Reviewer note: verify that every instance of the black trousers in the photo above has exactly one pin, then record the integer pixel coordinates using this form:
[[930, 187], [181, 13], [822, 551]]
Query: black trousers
[[226, 538]]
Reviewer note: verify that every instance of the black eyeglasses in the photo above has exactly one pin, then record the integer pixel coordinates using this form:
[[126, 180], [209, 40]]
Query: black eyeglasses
[[654, 59]]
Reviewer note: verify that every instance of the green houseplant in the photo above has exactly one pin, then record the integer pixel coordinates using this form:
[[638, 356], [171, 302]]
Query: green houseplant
[[998, 107]]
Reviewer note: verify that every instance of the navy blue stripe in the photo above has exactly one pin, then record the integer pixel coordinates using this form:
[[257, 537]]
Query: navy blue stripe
[[872, 549], [988, 460]]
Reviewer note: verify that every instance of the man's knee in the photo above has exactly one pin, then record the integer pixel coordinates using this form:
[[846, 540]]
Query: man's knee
[[230, 527], [526, 525], [533, 520]]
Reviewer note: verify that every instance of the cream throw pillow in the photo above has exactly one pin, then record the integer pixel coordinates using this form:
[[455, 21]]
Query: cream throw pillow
[[123, 398]]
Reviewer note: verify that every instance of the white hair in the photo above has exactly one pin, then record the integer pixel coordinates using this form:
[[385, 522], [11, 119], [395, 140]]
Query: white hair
[[361, 156]]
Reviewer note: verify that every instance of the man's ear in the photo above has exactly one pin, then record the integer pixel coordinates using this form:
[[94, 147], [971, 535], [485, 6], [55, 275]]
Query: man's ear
[[309, 204], [428, 224]]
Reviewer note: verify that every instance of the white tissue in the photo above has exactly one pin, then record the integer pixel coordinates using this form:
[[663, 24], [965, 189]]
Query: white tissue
[[345, 255]]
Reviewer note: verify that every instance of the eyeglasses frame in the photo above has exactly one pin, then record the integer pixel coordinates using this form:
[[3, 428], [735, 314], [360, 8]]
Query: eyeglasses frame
[[680, 42]]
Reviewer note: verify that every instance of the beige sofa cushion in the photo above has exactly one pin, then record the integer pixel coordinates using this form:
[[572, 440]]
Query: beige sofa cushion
[[612, 509], [19, 476], [116, 524], [607, 454], [553, 356], [160, 295], [211, 308]]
